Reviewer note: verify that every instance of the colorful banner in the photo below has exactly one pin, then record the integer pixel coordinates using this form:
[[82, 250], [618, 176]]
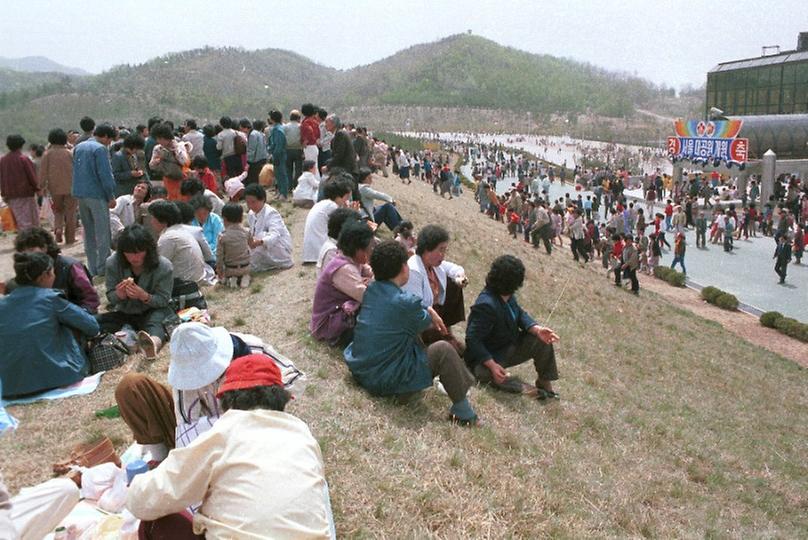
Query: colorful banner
[[717, 129], [709, 141]]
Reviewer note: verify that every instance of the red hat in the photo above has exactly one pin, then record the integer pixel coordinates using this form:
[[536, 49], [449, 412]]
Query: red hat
[[250, 371]]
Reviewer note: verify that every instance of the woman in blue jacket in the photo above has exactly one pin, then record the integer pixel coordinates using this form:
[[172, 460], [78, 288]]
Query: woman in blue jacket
[[37, 325]]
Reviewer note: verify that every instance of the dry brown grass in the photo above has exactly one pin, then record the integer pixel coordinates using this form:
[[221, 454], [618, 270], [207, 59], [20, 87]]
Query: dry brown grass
[[669, 424]]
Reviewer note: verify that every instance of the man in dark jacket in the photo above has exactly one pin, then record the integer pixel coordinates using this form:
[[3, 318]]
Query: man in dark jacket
[[500, 334]]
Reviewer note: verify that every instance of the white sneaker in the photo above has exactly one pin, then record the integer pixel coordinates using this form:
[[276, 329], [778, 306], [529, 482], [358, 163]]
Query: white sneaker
[[232, 282], [245, 281]]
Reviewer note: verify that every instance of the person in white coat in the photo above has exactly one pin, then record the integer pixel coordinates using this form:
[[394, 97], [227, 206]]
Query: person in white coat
[[438, 283], [305, 194], [315, 232], [270, 243]]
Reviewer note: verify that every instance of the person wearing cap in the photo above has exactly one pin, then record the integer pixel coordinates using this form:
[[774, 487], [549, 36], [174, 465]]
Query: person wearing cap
[[164, 417], [387, 358], [258, 471], [234, 187]]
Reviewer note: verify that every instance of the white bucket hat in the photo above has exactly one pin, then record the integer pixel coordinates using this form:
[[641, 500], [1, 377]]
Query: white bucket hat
[[199, 355]]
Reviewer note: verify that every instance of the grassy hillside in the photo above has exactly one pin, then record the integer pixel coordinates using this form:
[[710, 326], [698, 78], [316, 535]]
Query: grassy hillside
[[459, 71], [668, 426]]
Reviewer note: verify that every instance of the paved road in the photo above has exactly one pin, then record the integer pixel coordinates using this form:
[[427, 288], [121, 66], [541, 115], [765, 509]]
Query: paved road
[[747, 272]]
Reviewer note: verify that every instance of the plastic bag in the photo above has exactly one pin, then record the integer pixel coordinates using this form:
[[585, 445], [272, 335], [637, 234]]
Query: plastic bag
[[107, 529], [96, 480], [114, 499], [46, 211]]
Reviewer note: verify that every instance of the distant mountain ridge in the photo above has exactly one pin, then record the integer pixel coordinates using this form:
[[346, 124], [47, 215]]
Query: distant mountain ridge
[[39, 64], [463, 71]]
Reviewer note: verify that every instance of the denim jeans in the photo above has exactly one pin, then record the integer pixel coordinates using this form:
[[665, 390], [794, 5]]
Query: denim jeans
[[281, 173], [94, 214], [387, 214], [681, 261]]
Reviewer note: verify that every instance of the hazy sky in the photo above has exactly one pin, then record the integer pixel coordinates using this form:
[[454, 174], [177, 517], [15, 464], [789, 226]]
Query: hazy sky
[[667, 41]]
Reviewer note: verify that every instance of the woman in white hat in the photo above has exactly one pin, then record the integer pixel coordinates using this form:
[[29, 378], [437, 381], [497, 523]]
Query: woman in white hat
[[164, 417]]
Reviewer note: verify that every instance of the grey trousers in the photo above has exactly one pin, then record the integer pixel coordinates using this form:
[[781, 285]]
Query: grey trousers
[[528, 347], [446, 364]]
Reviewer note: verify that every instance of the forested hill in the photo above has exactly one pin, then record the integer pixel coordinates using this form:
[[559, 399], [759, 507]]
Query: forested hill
[[467, 70], [461, 71]]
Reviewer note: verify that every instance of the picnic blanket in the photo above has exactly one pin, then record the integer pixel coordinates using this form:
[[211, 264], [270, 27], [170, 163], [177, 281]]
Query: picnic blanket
[[7, 422], [86, 386], [87, 521]]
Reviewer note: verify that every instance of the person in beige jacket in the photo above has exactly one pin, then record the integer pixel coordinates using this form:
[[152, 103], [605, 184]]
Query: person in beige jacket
[[56, 178]]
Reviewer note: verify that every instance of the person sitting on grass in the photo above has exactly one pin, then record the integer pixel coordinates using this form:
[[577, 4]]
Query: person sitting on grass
[[232, 249], [336, 193], [258, 471], [336, 221], [179, 244], [163, 417], [305, 194], [130, 209], [200, 166], [37, 326], [72, 277], [386, 356], [438, 283], [341, 286], [139, 283], [387, 213], [210, 223], [193, 187], [270, 242], [500, 334]]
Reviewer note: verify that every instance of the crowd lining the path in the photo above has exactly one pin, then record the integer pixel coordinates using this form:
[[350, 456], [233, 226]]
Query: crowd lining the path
[[627, 233]]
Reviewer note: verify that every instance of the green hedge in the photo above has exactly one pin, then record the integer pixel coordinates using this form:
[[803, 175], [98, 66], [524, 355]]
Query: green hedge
[[720, 298], [793, 328], [677, 279], [727, 301], [710, 294], [770, 318]]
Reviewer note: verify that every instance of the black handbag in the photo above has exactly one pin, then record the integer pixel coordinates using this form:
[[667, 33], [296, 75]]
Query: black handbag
[[186, 294], [105, 352]]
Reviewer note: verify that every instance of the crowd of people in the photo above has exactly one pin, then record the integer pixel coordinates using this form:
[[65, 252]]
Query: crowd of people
[[162, 210], [607, 220]]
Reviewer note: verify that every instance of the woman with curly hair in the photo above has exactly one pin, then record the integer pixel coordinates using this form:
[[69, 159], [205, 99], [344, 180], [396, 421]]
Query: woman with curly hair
[[500, 334]]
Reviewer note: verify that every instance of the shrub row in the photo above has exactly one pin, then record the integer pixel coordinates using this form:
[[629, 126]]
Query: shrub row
[[785, 325], [720, 298], [677, 279]]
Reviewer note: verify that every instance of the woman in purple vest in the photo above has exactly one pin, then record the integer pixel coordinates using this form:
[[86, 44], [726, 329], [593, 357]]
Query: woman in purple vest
[[342, 285]]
